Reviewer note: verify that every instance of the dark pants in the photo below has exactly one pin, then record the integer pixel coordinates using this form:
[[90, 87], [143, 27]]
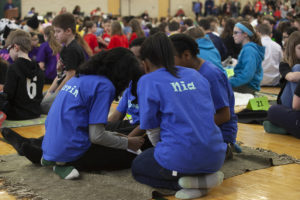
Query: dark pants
[[146, 170], [286, 118], [97, 157], [244, 89]]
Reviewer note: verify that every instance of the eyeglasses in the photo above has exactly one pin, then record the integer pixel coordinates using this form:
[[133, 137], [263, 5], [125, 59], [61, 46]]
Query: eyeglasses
[[237, 32]]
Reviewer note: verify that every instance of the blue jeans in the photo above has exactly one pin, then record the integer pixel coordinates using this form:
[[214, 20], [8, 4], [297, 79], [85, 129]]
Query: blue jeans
[[289, 89], [146, 170]]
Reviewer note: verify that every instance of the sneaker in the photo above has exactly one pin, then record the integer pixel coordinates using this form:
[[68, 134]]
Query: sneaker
[[66, 172], [271, 128], [46, 162]]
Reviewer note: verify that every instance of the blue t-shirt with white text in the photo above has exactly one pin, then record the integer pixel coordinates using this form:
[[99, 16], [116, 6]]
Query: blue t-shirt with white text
[[82, 101], [190, 142]]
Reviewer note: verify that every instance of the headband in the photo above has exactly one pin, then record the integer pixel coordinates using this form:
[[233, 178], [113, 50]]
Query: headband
[[244, 29]]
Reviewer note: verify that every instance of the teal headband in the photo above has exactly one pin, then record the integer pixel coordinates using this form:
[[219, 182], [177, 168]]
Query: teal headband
[[244, 29]]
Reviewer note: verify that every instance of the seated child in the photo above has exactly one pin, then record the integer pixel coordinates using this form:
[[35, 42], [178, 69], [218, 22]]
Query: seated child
[[24, 80], [221, 91], [177, 111], [75, 137]]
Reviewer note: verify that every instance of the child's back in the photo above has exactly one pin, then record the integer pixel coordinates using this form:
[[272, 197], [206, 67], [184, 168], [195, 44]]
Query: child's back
[[185, 116], [24, 89]]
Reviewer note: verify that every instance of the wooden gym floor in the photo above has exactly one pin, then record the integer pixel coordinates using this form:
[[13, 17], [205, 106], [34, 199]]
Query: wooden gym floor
[[275, 183]]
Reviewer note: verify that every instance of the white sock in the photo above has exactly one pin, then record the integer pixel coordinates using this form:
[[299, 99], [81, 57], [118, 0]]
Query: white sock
[[204, 181], [190, 193]]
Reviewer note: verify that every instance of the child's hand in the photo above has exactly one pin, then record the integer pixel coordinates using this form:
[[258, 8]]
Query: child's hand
[[135, 143], [59, 66]]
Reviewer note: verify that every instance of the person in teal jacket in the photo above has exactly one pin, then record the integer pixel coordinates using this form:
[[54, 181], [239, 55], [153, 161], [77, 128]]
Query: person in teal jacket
[[207, 49], [248, 72]]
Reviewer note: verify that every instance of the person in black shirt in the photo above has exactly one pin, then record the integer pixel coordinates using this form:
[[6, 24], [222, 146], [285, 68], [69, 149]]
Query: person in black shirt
[[71, 56], [23, 88]]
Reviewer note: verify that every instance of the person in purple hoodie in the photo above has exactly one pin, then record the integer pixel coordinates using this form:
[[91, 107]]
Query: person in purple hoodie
[[48, 54], [34, 46]]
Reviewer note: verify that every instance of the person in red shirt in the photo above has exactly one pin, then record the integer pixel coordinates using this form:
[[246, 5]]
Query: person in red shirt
[[90, 36], [118, 39], [105, 38], [137, 31]]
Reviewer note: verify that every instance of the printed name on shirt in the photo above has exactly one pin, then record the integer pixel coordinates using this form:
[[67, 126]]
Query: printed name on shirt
[[70, 89], [182, 86]]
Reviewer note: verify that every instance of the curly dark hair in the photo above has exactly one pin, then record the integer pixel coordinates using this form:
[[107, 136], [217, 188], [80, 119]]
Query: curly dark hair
[[119, 65]]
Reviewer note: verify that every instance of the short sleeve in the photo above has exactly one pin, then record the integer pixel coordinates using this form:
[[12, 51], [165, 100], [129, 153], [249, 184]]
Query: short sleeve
[[219, 94], [149, 105], [99, 107], [123, 104]]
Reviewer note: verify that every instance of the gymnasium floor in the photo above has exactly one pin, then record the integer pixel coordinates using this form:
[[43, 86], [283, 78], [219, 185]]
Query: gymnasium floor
[[275, 183]]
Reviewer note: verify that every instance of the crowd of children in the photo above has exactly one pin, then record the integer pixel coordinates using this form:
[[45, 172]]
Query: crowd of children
[[173, 86]]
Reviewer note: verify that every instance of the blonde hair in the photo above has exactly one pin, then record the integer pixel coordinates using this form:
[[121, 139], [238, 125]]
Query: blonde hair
[[54, 45], [21, 38], [289, 53]]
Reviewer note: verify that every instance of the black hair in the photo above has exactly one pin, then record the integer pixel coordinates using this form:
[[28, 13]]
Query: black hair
[[65, 21], [204, 23], [183, 42], [158, 49], [290, 30], [119, 65], [137, 42], [188, 22], [174, 26], [154, 30]]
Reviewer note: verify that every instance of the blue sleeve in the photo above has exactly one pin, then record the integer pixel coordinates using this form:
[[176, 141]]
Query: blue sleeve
[[244, 70], [219, 93], [149, 105], [99, 107], [123, 104]]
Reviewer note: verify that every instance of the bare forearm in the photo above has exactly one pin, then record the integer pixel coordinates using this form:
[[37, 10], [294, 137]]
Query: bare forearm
[[136, 132], [222, 115]]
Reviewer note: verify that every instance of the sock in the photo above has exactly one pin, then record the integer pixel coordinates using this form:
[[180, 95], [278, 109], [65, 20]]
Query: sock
[[14, 139], [47, 162], [32, 153], [190, 193], [271, 128], [66, 172], [2, 117], [204, 181]]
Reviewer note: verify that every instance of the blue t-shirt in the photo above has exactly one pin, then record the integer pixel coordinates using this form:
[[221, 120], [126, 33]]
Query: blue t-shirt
[[222, 96], [82, 101], [190, 142], [126, 106]]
